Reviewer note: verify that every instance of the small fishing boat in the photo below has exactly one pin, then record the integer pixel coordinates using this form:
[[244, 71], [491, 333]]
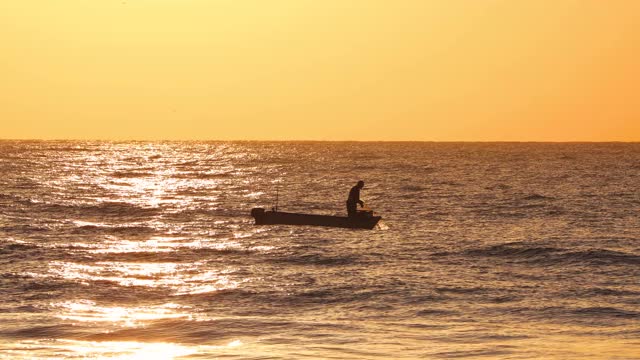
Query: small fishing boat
[[365, 219]]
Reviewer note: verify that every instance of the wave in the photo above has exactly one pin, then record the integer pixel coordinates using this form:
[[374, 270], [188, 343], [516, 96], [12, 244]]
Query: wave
[[498, 187], [12, 248], [188, 163], [130, 174], [215, 212], [358, 296], [23, 309], [15, 276], [39, 332], [174, 255], [460, 290], [7, 196], [606, 312], [45, 287], [188, 331], [18, 199], [68, 148], [205, 176], [104, 209], [24, 229], [553, 255], [447, 183], [592, 315], [114, 230], [610, 292], [534, 197], [436, 312], [412, 188], [601, 257], [305, 293], [193, 192], [316, 259]]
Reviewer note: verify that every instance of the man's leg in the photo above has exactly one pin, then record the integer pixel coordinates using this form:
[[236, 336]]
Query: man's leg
[[351, 209]]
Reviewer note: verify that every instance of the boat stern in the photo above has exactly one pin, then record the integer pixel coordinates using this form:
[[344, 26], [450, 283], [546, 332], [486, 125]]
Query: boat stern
[[258, 215]]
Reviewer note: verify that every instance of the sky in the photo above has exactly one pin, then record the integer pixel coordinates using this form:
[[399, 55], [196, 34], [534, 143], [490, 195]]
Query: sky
[[407, 70]]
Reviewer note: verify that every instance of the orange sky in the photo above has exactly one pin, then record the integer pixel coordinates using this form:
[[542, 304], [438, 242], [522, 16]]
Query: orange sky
[[443, 70]]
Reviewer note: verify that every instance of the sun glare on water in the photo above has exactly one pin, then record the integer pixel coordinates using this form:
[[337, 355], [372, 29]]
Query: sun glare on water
[[130, 350], [118, 350], [180, 278], [118, 317], [89, 311]]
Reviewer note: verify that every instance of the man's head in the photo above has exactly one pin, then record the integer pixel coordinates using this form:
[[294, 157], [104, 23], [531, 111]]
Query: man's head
[[360, 184]]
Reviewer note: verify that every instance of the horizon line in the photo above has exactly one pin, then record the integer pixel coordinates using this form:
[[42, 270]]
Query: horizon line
[[335, 141]]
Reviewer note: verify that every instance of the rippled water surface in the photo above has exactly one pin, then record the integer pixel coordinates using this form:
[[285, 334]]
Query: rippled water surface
[[487, 251]]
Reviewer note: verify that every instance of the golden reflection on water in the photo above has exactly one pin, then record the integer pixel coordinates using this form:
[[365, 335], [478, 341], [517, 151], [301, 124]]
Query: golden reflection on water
[[158, 188], [160, 244], [151, 186], [130, 350], [89, 311], [115, 350], [180, 278]]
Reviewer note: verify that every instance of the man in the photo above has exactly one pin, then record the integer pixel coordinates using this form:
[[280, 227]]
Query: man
[[354, 199]]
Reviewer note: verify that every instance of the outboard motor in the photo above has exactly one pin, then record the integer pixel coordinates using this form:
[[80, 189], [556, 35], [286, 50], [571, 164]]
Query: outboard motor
[[257, 214]]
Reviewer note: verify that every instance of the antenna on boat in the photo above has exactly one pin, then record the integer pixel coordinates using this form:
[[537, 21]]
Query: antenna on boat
[[275, 207]]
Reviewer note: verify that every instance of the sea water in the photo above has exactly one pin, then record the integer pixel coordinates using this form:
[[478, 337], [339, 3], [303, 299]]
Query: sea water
[[486, 251]]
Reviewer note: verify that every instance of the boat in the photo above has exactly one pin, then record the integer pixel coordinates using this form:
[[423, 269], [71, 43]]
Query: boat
[[364, 219]]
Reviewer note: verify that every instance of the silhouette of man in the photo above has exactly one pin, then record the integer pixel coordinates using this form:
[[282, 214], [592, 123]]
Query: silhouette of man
[[354, 199]]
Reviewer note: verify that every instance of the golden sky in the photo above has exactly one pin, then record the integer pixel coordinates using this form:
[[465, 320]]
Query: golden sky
[[442, 70]]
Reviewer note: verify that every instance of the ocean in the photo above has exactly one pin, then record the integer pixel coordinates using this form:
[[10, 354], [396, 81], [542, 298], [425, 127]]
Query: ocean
[[146, 250]]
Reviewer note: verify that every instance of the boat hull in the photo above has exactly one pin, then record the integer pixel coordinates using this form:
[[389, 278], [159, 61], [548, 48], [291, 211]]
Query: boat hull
[[362, 221]]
